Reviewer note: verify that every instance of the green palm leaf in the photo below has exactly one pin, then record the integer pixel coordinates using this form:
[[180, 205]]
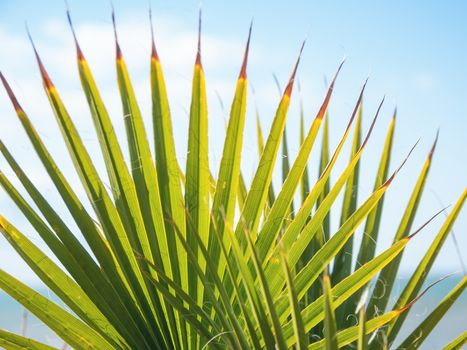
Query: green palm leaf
[[11, 341], [418, 277], [388, 275], [175, 257], [419, 334]]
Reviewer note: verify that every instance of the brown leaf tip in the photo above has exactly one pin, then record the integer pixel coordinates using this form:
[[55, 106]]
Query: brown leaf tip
[[432, 150], [336, 75], [198, 60], [289, 87], [409, 305], [391, 178], [426, 223], [245, 57], [373, 122], [154, 54], [355, 110], [79, 53], [198, 52], [117, 45], [324, 106], [45, 76], [10, 93]]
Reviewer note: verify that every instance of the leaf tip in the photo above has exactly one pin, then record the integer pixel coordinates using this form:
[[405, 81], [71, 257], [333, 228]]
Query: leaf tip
[[45, 76], [391, 178], [324, 106], [79, 53], [198, 53], [426, 223], [154, 54], [117, 45], [289, 87], [10, 93], [245, 56], [417, 298], [367, 137], [433, 148]]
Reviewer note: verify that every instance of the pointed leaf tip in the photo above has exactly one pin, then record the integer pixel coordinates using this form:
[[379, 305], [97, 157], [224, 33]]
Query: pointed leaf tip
[[337, 73], [364, 86], [372, 123], [288, 88], [360, 96], [198, 53], [432, 150], [355, 110], [417, 298], [79, 53], [117, 45], [45, 76], [426, 223], [391, 178], [245, 57], [324, 106], [154, 54], [10, 93]]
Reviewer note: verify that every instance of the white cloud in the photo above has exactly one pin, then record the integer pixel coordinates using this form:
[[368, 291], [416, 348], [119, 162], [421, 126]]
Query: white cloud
[[425, 81]]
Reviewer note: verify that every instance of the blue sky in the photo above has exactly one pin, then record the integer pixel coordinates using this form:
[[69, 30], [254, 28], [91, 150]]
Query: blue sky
[[414, 53]]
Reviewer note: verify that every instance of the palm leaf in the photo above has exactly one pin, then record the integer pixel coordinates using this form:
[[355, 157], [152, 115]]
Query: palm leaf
[[11, 341], [386, 279], [419, 334], [457, 343], [418, 277], [176, 257], [62, 285], [229, 178], [273, 223], [343, 260], [68, 327], [330, 325], [299, 329]]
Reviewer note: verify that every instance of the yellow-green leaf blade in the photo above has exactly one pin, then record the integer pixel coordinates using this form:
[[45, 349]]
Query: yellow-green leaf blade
[[419, 334], [457, 343], [96, 190], [69, 328], [382, 291], [230, 179], [11, 341], [299, 329], [257, 194], [342, 261], [418, 277], [313, 313], [104, 207], [62, 285], [349, 335], [330, 336], [146, 186], [275, 219]]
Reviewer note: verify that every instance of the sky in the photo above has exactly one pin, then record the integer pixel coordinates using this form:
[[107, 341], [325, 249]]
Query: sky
[[414, 54]]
